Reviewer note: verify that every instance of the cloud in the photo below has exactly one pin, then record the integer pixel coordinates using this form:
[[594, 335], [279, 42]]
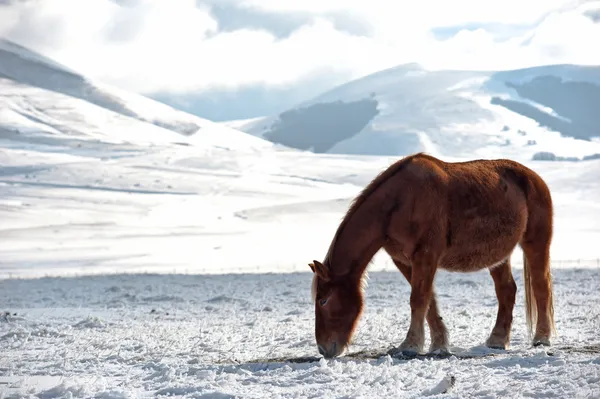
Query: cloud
[[179, 46], [561, 37]]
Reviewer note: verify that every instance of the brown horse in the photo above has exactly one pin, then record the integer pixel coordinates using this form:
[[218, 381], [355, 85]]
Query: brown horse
[[458, 216]]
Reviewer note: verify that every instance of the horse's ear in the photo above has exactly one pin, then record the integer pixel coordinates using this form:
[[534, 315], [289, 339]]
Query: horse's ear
[[312, 267], [321, 270]]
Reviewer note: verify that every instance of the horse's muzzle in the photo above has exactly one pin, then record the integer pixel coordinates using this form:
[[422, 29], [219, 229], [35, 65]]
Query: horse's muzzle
[[329, 353]]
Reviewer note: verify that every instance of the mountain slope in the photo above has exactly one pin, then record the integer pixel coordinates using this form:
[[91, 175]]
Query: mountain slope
[[22, 71], [454, 113]]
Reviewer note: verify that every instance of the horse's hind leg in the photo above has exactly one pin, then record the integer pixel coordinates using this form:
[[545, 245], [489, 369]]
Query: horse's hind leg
[[506, 290], [437, 328], [538, 287]]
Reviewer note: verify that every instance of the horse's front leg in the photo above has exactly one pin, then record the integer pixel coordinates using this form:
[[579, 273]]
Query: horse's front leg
[[424, 265], [437, 328]]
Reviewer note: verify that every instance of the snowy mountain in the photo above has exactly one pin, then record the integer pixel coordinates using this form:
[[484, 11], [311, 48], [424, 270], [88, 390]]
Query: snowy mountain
[[541, 112], [39, 95]]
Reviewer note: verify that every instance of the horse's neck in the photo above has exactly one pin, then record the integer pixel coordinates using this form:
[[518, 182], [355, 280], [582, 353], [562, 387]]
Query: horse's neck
[[353, 247]]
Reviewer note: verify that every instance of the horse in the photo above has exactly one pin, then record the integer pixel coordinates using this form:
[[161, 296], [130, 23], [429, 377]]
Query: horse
[[427, 214]]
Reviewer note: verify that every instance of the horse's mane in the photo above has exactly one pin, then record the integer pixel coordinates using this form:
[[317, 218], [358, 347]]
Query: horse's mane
[[381, 178]]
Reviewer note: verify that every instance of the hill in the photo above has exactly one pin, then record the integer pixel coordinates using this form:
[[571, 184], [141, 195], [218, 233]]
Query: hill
[[545, 112], [36, 91]]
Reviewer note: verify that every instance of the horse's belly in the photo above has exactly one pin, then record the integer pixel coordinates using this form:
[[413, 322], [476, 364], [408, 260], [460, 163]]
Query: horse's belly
[[476, 250], [470, 261]]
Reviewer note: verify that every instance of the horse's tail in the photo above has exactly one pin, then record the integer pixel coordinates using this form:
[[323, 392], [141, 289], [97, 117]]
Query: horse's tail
[[530, 306], [551, 307]]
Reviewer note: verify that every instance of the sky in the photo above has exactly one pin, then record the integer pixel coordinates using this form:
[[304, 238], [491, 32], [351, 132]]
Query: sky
[[176, 47]]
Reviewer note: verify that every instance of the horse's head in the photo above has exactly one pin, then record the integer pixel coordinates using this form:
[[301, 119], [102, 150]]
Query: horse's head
[[338, 305]]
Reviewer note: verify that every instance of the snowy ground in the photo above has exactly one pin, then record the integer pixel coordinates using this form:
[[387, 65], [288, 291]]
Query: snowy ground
[[208, 335]]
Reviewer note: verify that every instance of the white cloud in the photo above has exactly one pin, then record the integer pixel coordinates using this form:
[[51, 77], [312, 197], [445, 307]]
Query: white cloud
[[157, 45]]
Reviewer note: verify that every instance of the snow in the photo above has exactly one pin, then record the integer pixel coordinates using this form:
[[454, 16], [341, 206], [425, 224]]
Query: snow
[[27, 54], [444, 112], [210, 132], [27, 78], [137, 261], [143, 335]]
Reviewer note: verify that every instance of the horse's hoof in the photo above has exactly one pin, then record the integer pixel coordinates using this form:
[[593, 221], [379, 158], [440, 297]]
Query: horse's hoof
[[439, 348], [440, 351], [541, 342], [409, 352], [496, 343], [406, 352]]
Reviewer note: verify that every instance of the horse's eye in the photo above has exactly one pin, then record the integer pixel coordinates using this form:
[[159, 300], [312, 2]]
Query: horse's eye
[[323, 301]]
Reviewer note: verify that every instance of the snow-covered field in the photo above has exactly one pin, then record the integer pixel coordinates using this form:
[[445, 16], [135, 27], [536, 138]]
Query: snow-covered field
[[203, 209], [208, 336], [138, 262]]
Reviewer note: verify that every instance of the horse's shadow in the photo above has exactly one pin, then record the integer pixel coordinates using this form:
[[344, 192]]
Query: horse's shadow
[[367, 355], [500, 357]]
